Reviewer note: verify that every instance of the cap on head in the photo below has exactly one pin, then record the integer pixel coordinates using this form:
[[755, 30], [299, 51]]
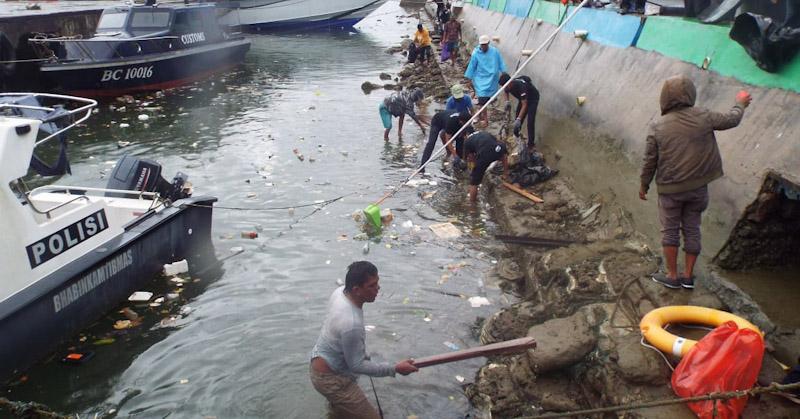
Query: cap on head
[[419, 27], [483, 40], [457, 90]]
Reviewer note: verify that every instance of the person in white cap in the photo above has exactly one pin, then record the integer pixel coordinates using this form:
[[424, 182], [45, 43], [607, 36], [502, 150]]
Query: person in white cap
[[484, 70], [458, 102]]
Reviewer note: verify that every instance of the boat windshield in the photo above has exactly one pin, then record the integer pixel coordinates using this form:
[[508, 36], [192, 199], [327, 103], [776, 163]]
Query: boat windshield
[[109, 21], [150, 19]]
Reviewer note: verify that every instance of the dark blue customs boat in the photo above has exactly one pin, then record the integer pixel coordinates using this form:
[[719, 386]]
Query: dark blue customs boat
[[141, 48], [69, 254]]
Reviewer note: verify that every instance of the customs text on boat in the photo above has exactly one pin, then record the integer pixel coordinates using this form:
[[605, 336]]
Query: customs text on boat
[[140, 48], [69, 254], [295, 14]]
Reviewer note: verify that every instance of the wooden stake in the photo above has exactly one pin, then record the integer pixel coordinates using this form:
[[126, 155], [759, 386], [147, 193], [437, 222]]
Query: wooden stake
[[500, 348], [523, 192]]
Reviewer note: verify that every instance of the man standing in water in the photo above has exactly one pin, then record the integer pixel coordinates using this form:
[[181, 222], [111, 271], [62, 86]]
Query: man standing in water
[[340, 353], [484, 70], [683, 156], [398, 105]]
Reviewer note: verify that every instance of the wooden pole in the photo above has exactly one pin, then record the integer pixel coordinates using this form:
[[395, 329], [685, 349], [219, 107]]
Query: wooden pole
[[523, 192], [500, 348]]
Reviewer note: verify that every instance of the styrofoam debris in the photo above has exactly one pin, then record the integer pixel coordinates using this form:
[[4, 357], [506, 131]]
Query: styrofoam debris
[[140, 296], [369, 328], [143, 117], [175, 268], [478, 301]]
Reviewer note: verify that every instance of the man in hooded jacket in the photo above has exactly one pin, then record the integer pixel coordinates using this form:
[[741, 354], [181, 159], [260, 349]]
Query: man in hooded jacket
[[683, 156]]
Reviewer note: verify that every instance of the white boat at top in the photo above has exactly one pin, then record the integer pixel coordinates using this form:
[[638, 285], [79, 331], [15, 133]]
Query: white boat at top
[[295, 14]]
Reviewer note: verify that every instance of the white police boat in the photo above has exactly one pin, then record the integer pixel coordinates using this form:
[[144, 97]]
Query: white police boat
[[70, 254]]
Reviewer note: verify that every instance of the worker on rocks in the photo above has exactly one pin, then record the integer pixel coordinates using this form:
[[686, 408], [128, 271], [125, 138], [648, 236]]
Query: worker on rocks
[[484, 149], [484, 69], [683, 156], [527, 96]]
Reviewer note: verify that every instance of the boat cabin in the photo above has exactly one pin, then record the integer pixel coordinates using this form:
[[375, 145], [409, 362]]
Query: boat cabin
[[130, 31]]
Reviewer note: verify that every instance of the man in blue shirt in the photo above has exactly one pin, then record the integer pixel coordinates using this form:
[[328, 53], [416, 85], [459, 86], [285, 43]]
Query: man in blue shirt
[[484, 70], [458, 102]]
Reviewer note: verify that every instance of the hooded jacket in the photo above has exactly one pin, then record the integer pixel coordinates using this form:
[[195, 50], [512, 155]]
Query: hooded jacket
[[681, 151]]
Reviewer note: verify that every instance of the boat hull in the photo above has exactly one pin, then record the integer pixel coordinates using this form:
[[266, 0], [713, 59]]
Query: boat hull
[[35, 320], [298, 14], [145, 73]]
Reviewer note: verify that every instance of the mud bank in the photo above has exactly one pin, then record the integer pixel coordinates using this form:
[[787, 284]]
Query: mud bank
[[583, 302]]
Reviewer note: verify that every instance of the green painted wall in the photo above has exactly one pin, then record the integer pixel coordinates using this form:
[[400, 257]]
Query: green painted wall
[[497, 5], [690, 41], [547, 11]]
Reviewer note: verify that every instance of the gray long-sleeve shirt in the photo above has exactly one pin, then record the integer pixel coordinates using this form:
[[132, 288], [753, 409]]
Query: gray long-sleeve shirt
[[341, 341]]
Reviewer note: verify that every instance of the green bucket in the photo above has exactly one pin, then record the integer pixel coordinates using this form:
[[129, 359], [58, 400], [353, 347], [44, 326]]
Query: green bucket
[[373, 213]]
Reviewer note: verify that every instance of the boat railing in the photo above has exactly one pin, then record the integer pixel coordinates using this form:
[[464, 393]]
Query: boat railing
[[83, 193], [83, 112], [106, 48]]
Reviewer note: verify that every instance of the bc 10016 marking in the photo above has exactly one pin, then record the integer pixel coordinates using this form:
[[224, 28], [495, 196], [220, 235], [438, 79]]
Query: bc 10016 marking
[[127, 73], [68, 237]]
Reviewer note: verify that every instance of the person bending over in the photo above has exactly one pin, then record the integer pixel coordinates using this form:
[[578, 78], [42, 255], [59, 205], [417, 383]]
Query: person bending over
[[484, 149]]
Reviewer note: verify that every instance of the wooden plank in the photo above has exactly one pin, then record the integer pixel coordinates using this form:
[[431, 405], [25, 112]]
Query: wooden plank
[[500, 348], [523, 192]]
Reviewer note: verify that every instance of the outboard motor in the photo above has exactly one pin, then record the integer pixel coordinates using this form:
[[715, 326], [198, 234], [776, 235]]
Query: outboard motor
[[135, 174]]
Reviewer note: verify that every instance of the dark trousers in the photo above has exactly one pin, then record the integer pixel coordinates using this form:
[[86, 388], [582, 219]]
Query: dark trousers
[[424, 53], [533, 104], [433, 134]]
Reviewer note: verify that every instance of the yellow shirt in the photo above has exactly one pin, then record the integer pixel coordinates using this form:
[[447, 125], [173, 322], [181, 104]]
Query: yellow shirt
[[422, 38]]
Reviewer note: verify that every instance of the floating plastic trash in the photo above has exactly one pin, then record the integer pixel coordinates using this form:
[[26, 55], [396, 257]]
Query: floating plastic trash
[[369, 328], [445, 230], [478, 301], [249, 234], [141, 296], [172, 269], [123, 324], [143, 117], [451, 345], [77, 357], [460, 379]]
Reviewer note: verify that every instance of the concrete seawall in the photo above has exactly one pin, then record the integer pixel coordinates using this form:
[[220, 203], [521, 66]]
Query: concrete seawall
[[602, 142]]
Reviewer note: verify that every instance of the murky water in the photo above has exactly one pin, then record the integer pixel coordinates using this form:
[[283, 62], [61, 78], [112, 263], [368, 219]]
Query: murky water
[[776, 292], [243, 350]]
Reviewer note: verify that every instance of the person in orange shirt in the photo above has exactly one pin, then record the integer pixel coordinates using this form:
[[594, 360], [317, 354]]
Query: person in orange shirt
[[422, 39]]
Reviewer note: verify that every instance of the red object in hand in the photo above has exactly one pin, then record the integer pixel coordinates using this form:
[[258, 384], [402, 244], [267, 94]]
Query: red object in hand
[[726, 359], [742, 96]]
